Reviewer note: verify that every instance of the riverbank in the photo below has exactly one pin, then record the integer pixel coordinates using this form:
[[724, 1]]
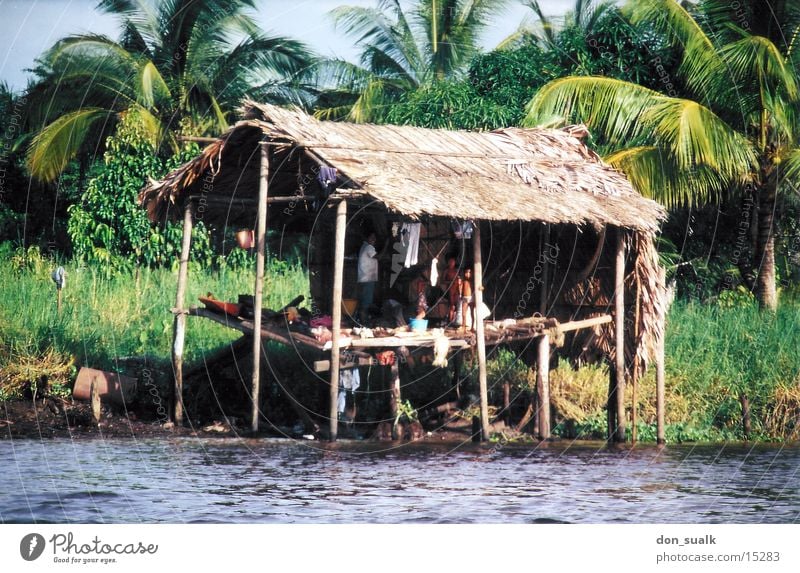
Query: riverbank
[[720, 355]]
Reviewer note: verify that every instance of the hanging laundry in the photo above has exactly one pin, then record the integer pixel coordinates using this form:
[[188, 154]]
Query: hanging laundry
[[409, 233], [349, 381], [434, 271], [441, 346], [462, 229], [326, 184]]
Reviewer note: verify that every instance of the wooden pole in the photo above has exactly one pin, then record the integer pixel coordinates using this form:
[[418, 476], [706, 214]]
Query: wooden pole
[[661, 431], [338, 277], [457, 359], [619, 323], [179, 325], [544, 251], [611, 403], [258, 298], [507, 403], [543, 384], [394, 399], [94, 396], [479, 332], [635, 373]]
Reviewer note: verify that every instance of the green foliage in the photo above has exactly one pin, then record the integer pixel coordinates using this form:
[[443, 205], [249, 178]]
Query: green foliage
[[740, 297], [449, 105], [509, 78], [403, 48], [109, 226], [405, 412], [603, 44]]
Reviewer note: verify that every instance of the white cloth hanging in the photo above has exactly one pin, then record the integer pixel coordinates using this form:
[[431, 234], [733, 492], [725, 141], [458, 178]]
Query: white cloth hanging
[[410, 239], [349, 381], [434, 271]]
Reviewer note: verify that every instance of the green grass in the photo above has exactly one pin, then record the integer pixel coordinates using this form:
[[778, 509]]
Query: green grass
[[105, 319], [715, 354]]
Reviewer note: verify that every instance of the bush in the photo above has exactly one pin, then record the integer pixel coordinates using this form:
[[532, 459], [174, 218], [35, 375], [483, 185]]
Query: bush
[[109, 226]]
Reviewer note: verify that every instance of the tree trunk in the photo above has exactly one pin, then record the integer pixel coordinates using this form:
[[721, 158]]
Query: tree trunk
[[745, 415], [765, 254]]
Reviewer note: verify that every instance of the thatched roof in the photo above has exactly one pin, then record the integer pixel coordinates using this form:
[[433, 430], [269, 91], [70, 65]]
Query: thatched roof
[[510, 174]]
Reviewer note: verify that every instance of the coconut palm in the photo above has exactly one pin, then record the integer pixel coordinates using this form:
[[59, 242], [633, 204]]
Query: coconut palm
[[183, 64], [402, 49], [543, 30], [735, 126]]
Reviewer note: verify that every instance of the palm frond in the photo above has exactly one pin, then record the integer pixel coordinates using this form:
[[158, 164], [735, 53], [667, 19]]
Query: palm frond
[[757, 66], [654, 173], [612, 108], [790, 171], [151, 85], [697, 137], [701, 65], [56, 144]]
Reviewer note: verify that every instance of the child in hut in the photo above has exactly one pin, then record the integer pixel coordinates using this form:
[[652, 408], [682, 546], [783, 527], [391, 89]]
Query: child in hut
[[452, 282], [466, 301], [419, 294]]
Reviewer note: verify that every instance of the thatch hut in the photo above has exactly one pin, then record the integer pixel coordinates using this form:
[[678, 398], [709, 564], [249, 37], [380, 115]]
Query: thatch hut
[[562, 245]]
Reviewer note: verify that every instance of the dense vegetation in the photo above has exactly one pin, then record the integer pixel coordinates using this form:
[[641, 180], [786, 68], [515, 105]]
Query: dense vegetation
[[697, 103]]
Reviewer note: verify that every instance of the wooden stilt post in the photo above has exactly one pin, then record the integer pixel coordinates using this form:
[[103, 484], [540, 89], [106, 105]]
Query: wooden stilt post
[[635, 372], [338, 277], [507, 403], [258, 298], [543, 257], [661, 435], [94, 396], [179, 325], [543, 384], [619, 323], [457, 359], [394, 399], [611, 403], [479, 332]]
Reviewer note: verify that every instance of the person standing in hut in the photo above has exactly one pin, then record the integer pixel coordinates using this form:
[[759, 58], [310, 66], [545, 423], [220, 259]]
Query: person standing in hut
[[367, 277], [452, 282], [466, 300]]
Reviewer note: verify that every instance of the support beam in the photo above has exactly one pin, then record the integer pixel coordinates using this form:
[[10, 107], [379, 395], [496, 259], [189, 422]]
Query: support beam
[[258, 299], [619, 323], [543, 386], [179, 324], [338, 277], [479, 331]]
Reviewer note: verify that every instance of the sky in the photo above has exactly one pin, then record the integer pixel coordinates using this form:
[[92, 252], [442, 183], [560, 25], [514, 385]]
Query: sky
[[28, 27]]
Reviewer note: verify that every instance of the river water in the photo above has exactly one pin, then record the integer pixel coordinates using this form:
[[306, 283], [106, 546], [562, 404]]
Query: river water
[[284, 481]]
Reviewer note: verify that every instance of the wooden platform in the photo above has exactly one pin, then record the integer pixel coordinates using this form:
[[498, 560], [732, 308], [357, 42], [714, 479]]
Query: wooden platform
[[496, 332]]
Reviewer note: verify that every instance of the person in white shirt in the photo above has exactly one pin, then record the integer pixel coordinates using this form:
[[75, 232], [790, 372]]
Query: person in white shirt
[[367, 277]]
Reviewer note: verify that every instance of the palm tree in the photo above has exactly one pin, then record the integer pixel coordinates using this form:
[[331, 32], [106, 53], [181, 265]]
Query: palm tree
[[544, 30], [732, 131], [182, 64], [403, 50]]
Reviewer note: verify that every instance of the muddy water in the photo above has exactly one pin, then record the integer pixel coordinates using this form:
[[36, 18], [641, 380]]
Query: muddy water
[[276, 481]]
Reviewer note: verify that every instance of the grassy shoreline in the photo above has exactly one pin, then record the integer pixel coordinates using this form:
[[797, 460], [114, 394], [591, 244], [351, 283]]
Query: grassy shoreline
[[714, 354]]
